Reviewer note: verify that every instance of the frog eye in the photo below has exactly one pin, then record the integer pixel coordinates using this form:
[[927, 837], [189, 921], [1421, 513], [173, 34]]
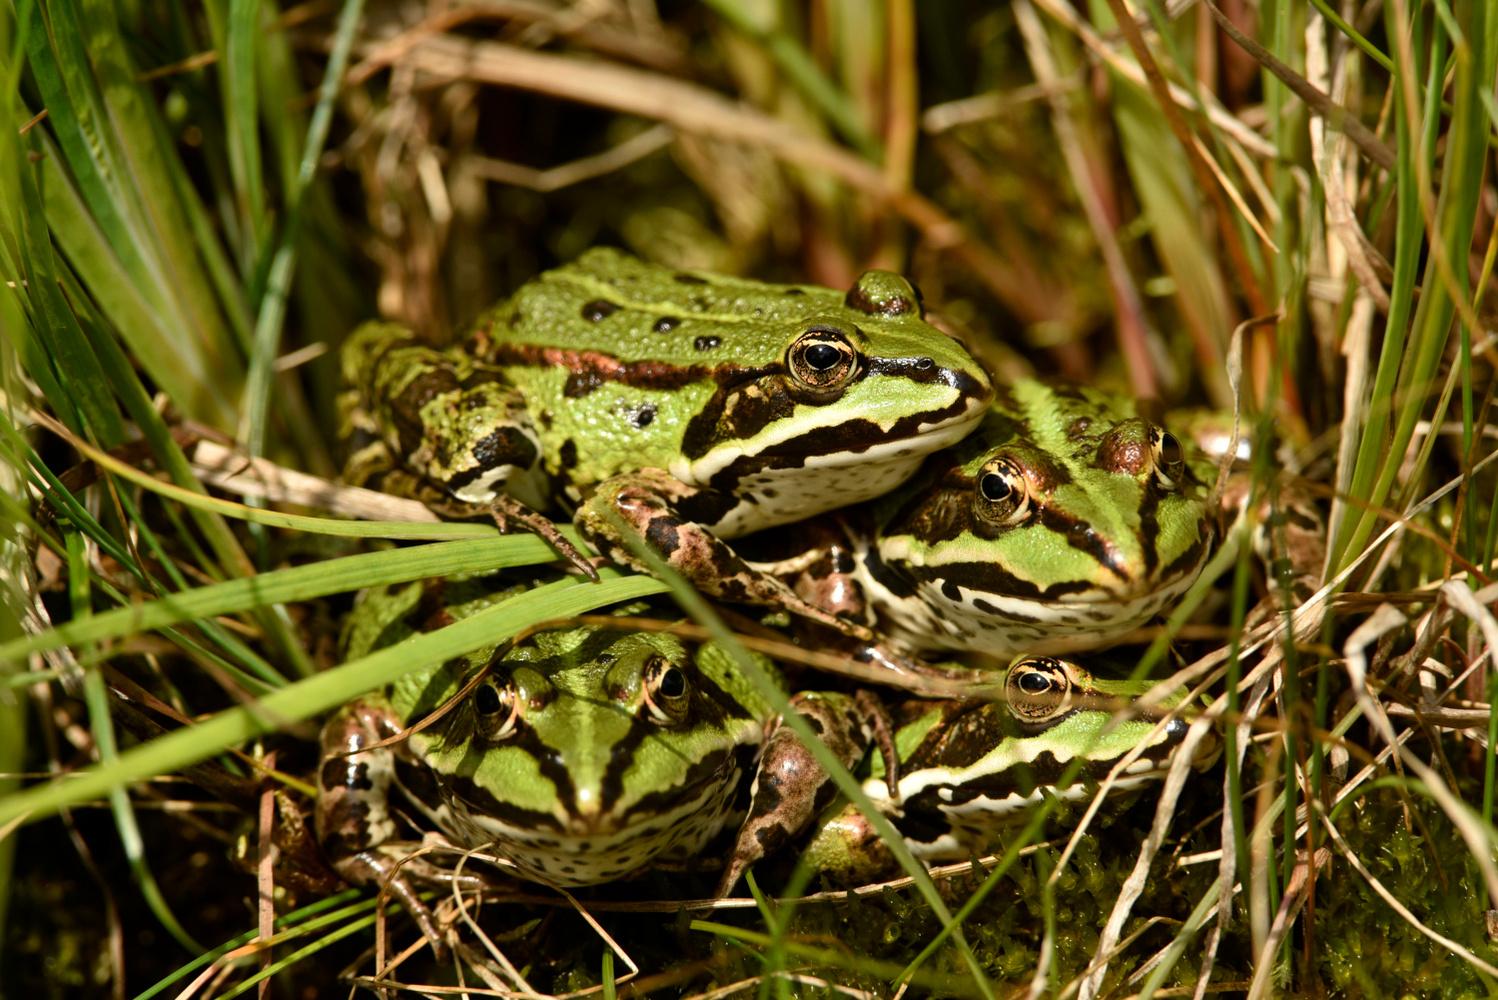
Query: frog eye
[[1169, 459], [666, 693], [884, 293], [498, 709], [1041, 689], [823, 360], [1003, 494]]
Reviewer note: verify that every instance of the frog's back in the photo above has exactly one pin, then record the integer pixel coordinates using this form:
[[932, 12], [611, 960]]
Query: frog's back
[[612, 303]]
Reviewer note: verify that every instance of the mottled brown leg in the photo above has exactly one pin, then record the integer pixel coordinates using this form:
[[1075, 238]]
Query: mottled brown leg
[[791, 787], [650, 505], [353, 820]]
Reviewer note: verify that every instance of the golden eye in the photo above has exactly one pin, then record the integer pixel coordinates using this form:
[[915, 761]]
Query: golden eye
[[667, 695], [498, 709], [823, 360], [1003, 494], [1040, 689], [1169, 459]]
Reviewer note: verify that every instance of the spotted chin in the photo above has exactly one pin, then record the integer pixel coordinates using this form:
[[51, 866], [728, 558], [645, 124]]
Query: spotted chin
[[569, 856], [941, 613]]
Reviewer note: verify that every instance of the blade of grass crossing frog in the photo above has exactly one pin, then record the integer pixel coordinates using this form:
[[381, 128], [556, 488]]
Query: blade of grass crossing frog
[[327, 690], [299, 583], [698, 610]]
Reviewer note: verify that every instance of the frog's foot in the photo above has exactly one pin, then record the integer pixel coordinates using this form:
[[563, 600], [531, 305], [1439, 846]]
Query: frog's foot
[[791, 786], [379, 868], [655, 506], [509, 512]]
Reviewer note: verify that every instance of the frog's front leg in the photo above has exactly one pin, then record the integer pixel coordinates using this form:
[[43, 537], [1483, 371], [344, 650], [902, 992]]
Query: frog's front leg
[[658, 508], [353, 821], [453, 421], [791, 786]]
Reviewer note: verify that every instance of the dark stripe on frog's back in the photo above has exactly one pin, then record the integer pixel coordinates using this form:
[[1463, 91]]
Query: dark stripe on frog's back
[[924, 819], [590, 370], [751, 413], [712, 707], [739, 758]]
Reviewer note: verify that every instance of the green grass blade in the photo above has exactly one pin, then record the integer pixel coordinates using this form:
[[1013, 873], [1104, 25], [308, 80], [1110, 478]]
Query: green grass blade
[[241, 113], [323, 691], [300, 583]]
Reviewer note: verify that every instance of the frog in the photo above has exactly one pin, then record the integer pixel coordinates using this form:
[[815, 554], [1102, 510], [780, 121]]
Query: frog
[[970, 767], [579, 755], [679, 408], [1064, 522]]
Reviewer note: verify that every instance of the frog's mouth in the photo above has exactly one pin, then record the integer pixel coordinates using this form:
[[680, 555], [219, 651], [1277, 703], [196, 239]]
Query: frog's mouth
[[845, 434], [586, 815]]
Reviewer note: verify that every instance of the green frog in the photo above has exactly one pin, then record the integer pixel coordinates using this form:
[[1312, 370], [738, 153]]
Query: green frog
[[682, 408], [581, 755], [968, 768], [1063, 522]]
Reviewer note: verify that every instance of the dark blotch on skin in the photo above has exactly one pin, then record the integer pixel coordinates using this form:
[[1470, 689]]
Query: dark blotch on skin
[[567, 454], [794, 291], [599, 309], [663, 536], [332, 774], [706, 343], [690, 279], [665, 324]]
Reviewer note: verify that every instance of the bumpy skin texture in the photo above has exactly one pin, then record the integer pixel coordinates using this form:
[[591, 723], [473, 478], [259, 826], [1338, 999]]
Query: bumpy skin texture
[[1062, 523], [681, 408]]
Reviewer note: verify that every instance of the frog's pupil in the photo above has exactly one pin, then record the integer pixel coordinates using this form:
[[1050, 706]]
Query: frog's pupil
[[1170, 449], [1034, 682], [822, 356], [487, 700], [995, 487], [673, 684]]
